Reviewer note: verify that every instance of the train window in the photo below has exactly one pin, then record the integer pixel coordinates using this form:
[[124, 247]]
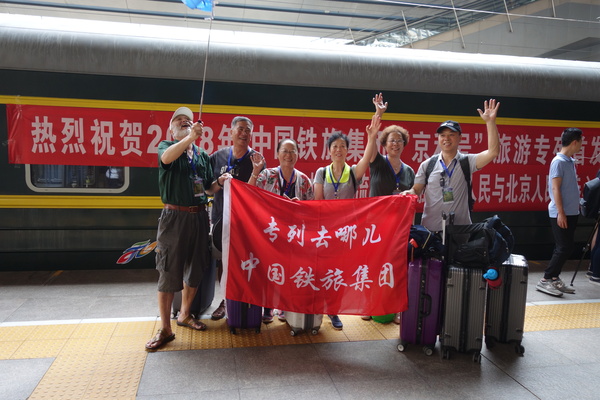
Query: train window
[[78, 178]]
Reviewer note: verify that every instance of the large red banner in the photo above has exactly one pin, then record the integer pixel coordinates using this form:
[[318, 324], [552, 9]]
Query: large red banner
[[316, 257], [515, 180]]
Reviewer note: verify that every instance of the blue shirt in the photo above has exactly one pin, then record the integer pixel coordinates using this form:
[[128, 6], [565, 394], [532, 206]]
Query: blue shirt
[[564, 167]]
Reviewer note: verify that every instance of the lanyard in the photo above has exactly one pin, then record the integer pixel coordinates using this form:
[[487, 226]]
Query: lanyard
[[449, 172], [286, 186], [396, 175], [192, 160], [336, 185], [231, 166]]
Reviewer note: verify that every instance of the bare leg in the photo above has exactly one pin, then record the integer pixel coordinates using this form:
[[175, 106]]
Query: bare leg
[[187, 296], [165, 302]]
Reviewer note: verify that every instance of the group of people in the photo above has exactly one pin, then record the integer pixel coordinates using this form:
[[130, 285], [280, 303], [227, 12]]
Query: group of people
[[188, 175]]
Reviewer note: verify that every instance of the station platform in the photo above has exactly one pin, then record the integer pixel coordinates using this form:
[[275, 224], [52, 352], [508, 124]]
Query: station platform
[[81, 335]]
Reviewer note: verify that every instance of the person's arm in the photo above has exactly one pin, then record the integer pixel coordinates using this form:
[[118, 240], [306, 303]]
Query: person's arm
[[319, 191], [416, 189], [561, 219], [218, 183], [489, 113], [371, 148], [177, 149], [258, 163]]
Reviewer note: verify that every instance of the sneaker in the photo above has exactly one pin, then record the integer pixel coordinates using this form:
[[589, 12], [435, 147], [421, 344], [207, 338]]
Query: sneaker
[[589, 273], [595, 279], [336, 322], [548, 287], [281, 315], [560, 285], [267, 316]]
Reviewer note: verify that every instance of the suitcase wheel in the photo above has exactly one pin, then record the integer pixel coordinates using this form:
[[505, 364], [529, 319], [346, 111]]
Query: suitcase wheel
[[257, 330], [401, 347], [232, 330], [314, 331], [445, 354], [477, 357], [293, 332], [519, 349], [427, 350]]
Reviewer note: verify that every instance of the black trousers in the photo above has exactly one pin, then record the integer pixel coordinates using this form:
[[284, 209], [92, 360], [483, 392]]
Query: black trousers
[[564, 240]]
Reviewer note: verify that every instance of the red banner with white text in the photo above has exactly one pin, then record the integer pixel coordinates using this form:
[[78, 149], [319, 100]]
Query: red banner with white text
[[316, 257], [515, 181]]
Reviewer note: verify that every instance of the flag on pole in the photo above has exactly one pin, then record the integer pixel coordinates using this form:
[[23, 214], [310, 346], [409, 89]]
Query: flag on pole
[[203, 5]]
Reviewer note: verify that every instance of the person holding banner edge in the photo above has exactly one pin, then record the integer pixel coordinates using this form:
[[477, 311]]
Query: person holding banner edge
[[389, 174], [284, 180], [182, 252], [340, 181], [235, 162]]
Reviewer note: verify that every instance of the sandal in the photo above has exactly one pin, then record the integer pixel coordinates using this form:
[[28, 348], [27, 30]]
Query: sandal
[[159, 340], [191, 323]]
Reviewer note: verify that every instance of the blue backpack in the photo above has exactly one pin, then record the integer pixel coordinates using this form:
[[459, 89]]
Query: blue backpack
[[424, 243]]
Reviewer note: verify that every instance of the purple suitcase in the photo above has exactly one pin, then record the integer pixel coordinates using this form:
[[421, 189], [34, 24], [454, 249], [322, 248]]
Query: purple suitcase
[[420, 324], [243, 316]]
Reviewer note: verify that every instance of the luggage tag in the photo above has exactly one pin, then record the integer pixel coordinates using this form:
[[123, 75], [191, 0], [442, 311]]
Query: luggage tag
[[198, 187]]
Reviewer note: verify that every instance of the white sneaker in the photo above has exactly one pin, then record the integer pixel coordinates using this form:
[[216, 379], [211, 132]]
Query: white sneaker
[[560, 285], [548, 287]]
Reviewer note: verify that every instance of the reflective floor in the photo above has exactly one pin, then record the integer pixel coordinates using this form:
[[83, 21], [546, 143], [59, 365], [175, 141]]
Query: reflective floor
[[81, 335]]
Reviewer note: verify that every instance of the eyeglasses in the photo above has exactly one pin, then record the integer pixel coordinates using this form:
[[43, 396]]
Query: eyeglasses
[[443, 179], [394, 141], [287, 151]]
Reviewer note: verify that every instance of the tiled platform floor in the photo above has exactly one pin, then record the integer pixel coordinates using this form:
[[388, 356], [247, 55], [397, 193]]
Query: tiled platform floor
[[77, 353]]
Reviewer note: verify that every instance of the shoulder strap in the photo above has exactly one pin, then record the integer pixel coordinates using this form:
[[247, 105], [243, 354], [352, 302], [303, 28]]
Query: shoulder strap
[[430, 166], [466, 168], [353, 179]]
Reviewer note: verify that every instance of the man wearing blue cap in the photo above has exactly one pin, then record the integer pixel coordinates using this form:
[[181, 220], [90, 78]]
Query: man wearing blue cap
[[448, 189]]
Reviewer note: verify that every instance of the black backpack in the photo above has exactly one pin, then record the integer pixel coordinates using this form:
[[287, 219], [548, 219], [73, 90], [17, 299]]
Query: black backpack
[[590, 203], [466, 168], [480, 245]]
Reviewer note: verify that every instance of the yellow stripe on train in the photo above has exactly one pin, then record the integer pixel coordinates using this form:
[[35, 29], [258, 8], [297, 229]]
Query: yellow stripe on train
[[111, 202]]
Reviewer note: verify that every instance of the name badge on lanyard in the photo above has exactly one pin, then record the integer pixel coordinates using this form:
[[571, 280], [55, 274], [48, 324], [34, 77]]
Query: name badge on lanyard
[[447, 190]]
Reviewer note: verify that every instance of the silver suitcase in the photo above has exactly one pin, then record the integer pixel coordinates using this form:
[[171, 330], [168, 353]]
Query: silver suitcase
[[464, 312]]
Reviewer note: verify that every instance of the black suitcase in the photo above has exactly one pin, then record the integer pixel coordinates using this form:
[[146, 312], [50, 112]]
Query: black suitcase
[[505, 313]]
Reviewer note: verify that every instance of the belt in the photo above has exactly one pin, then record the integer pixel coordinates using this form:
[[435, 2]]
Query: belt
[[190, 209]]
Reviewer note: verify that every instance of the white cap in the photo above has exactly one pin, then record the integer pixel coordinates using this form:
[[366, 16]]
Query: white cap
[[183, 111]]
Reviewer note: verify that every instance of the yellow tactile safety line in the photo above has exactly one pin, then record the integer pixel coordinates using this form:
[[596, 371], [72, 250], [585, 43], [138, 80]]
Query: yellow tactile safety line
[[106, 360]]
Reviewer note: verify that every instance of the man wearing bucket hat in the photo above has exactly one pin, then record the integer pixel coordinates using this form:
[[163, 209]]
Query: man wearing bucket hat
[[447, 187], [182, 253]]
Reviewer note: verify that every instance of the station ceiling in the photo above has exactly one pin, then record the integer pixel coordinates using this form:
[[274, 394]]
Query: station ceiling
[[386, 23]]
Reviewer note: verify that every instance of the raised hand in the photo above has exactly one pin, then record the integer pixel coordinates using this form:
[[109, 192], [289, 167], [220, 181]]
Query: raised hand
[[380, 106], [490, 110]]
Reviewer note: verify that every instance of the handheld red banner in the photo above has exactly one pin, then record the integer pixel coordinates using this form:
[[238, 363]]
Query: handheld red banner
[[316, 257]]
